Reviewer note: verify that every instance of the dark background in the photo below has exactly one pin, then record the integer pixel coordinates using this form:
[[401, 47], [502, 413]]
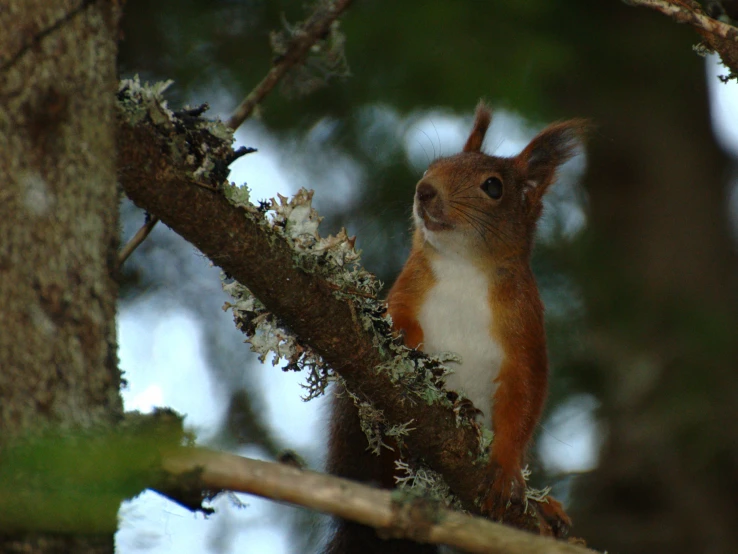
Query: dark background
[[642, 298]]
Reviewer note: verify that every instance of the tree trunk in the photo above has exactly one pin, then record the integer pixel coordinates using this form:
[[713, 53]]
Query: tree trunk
[[59, 228]]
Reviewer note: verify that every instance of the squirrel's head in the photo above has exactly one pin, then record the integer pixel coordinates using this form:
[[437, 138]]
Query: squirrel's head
[[472, 203]]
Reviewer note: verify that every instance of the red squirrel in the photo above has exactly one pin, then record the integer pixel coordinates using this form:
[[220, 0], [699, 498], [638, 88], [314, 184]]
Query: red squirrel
[[467, 287]]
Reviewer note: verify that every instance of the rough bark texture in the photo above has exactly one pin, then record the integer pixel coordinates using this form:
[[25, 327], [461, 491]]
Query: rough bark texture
[[661, 289], [59, 226]]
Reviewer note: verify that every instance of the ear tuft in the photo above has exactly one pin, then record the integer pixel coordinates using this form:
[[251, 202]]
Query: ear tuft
[[553, 146], [482, 119]]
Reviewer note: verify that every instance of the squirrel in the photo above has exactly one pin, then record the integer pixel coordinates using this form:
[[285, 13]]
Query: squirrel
[[467, 287]]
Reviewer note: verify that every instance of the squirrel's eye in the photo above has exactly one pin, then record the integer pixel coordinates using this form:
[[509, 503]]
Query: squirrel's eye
[[493, 188]]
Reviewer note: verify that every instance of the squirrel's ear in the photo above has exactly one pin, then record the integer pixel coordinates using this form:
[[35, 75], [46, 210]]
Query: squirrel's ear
[[482, 118], [546, 152]]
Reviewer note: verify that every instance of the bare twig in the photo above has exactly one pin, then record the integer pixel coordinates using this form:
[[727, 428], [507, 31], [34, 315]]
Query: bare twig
[[313, 30], [683, 14], [390, 514], [137, 239]]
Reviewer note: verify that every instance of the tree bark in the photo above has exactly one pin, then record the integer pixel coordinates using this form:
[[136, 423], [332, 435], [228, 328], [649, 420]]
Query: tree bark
[[59, 228]]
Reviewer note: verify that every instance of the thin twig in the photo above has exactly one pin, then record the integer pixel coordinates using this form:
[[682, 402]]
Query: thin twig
[[390, 514], [683, 14], [313, 30], [137, 239]]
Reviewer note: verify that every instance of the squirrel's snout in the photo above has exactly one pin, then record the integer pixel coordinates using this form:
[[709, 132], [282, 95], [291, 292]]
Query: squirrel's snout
[[429, 209], [426, 192]]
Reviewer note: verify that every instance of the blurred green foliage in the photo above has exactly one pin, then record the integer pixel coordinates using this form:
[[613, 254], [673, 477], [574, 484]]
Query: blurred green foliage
[[66, 481], [409, 54]]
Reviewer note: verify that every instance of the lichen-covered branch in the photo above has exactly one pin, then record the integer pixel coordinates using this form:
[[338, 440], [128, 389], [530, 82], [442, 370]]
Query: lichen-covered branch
[[317, 27], [719, 36], [175, 168], [393, 515]]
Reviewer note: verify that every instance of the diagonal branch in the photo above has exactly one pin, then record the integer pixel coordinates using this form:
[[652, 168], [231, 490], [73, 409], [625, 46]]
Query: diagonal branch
[[314, 29]]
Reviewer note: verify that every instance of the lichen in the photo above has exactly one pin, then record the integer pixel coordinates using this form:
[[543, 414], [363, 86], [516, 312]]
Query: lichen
[[145, 100], [372, 423], [422, 481], [334, 257], [238, 196], [268, 337], [201, 145], [537, 495], [397, 432], [422, 376]]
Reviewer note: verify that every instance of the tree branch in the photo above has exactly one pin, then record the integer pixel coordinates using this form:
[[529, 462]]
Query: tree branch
[[314, 29], [721, 37], [160, 167], [389, 513]]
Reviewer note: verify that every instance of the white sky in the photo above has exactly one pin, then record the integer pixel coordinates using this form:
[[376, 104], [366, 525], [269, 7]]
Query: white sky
[[161, 354]]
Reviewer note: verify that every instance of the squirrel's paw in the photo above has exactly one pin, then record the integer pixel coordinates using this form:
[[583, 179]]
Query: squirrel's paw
[[503, 490], [557, 521]]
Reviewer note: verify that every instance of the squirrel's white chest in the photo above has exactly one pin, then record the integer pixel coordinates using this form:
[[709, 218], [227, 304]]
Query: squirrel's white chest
[[456, 317]]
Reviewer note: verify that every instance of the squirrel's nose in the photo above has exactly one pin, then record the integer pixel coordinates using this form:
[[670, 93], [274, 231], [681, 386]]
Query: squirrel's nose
[[426, 192]]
